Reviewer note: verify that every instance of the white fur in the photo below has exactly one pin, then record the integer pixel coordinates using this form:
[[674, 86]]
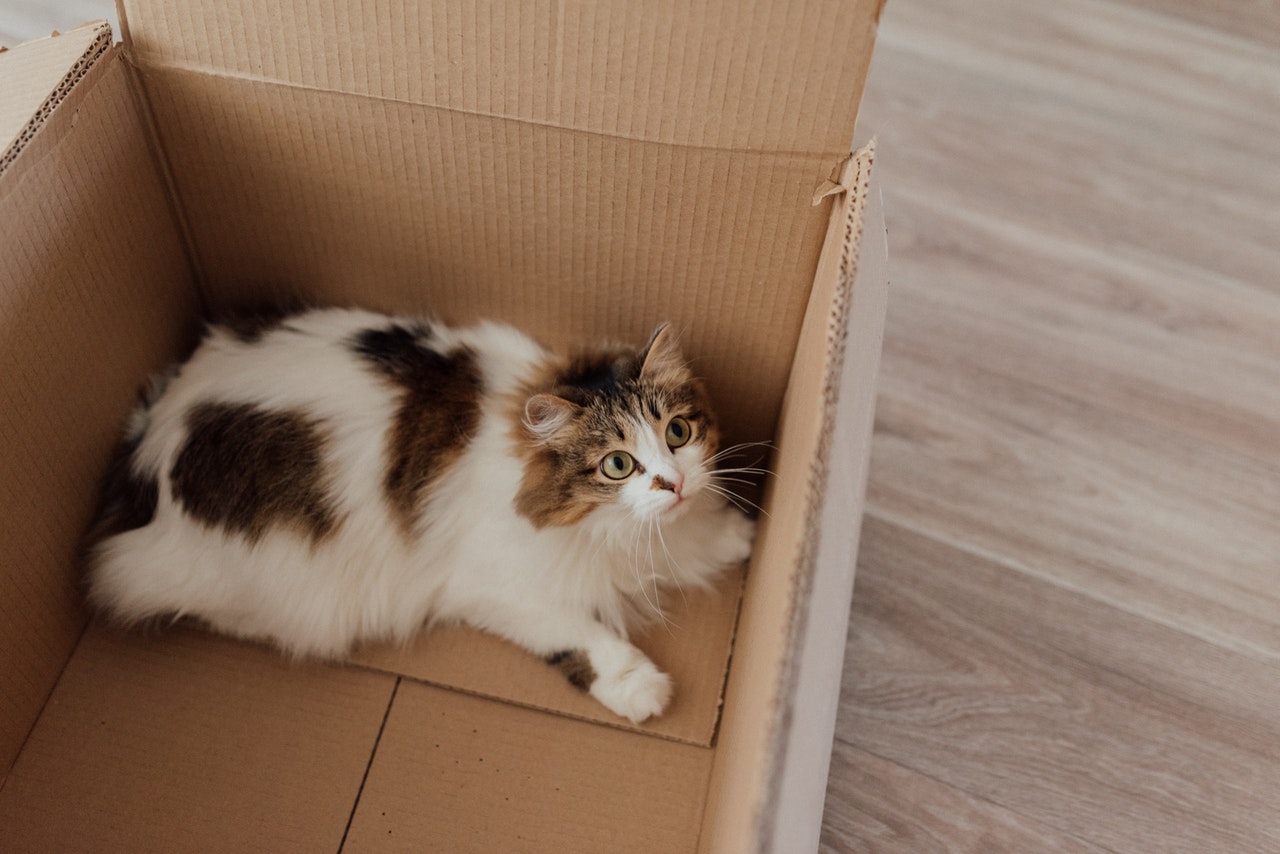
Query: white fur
[[474, 558]]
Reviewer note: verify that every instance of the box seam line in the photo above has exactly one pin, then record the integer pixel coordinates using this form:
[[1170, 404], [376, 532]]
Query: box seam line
[[53, 689], [373, 754], [159, 156]]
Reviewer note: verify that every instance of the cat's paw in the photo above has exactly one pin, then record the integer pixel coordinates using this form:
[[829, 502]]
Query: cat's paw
[[737, 536], [637, 692]]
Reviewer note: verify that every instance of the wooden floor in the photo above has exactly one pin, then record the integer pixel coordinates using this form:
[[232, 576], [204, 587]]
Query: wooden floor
[[1065, 632]]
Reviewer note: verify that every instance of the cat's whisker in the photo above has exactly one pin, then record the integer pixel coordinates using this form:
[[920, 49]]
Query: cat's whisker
[[676, 568], [738, 449], [645, 532], [738, 501], [743, 470], [742, 480]]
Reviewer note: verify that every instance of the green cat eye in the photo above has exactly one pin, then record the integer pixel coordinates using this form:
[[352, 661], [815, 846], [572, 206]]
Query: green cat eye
[[678, 433], [617, 465]]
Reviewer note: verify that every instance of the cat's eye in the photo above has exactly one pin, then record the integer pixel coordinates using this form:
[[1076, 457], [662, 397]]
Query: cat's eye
[[617, 465], [678, 433]]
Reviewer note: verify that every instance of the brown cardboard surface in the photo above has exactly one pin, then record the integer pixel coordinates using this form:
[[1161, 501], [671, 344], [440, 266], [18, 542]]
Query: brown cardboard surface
[[183, 742], [693, 647], [773, 76], [95, 292], [814, 664], [455, 773], [34, 76], [757, 703], [575, 237]]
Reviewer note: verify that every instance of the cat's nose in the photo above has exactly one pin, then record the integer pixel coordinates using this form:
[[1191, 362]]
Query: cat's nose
[[676, 486]]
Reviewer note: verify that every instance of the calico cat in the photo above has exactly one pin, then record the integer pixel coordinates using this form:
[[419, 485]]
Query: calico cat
[[339, 476]]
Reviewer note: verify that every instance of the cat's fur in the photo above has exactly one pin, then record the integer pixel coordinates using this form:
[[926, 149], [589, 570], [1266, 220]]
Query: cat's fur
[[340, 476]]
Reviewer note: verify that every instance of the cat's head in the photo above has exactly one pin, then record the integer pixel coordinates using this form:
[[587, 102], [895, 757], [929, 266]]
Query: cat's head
[[626, 430]]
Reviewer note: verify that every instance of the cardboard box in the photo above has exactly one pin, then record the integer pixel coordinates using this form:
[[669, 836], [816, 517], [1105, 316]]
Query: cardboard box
[[583, 170]]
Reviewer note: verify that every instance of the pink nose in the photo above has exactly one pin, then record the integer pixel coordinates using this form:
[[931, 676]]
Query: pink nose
[[676, 486]]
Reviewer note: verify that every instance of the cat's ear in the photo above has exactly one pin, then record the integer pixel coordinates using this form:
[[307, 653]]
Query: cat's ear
[[662, 354], [546, 415]]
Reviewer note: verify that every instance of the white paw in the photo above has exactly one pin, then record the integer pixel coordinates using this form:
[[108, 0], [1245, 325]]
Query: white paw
[[637, 692], [736, 538]]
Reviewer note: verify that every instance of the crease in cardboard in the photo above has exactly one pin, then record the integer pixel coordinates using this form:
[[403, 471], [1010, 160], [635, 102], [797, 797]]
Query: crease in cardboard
[[144, 67], [177, 207]]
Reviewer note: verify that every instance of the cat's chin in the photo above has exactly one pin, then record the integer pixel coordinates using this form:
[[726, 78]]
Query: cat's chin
[[674, 510]]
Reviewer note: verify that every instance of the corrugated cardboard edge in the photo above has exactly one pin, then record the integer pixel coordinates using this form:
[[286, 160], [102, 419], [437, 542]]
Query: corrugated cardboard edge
[[752, 741], [809, 696], [99, 46]]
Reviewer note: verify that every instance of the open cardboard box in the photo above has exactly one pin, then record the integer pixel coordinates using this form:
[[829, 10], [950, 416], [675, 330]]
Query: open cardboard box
[[583, 170]]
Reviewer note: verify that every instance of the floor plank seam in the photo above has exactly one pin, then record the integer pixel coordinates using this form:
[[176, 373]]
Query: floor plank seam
[[1259, 654]]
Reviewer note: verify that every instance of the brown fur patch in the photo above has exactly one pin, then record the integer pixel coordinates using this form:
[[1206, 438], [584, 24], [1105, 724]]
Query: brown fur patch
[[439, 409], [250, 323], [576, 667], [127, 500], [246, 468]]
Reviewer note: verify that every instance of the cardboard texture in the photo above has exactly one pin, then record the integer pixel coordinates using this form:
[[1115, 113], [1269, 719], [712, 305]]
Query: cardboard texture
[[458, 773], [183, 742], [692, 645], [95, 292], [856, 247], [583, 170], [465, 216], [760, 698]]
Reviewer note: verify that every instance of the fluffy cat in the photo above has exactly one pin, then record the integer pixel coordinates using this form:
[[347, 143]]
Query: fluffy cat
[[337, 476]]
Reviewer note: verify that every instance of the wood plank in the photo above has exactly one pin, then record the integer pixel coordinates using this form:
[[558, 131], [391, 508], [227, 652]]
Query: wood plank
[[1084, 120], [1085, 719], [875, 806], [1103, 501]]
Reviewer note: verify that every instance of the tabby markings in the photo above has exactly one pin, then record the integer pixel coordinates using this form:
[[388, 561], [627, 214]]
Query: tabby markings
[[246, 468], [128, 500]]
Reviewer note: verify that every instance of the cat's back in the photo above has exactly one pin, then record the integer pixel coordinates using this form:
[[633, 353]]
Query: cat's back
[[284, 461]]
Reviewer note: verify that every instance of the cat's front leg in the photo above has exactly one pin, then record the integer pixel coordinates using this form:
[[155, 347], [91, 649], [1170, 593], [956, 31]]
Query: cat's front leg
[[735, 536], [591, 656]]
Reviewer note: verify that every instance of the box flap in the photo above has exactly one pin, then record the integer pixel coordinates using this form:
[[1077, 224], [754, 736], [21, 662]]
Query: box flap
[[819, 625], [95, 292], [760, 714], [693, 647], [37, 75], [766, 77]]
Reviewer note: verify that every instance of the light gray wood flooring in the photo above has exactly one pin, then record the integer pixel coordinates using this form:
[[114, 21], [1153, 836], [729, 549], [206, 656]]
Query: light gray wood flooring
[[1065, 632]]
